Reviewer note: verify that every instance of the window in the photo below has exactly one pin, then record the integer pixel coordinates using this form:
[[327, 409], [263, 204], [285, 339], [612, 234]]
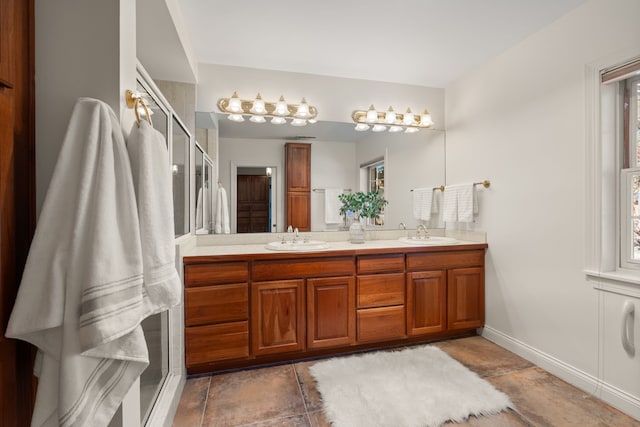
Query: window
[[375, 182], [630, 174]]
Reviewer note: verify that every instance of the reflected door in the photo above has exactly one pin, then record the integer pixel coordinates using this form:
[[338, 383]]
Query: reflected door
[[253, 204]]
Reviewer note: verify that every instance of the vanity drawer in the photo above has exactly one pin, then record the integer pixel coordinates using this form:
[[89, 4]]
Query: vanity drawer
[[380, 263], [380, 290], [214, 273], [376, 324], [211, 343], [298, 268], [216, 304], [440, 260]]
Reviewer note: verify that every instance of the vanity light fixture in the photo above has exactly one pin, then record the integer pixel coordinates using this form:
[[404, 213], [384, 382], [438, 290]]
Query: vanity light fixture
[[380, 121], [259, 110]]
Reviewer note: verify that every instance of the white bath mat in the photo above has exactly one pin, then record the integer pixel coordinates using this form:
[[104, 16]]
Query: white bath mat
[[416, 387]]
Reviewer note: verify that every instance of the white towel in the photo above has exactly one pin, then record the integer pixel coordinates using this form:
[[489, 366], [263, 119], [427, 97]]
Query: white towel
[[222, 212], [422, 203], [459, 203], [152, 180], [81, 296], [332, 206]]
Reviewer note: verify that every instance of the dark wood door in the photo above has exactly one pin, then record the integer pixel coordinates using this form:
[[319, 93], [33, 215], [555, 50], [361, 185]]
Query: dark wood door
[[253, 204], [17, 198]]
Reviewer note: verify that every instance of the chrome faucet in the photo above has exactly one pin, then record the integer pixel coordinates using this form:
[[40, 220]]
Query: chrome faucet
[[295, 239], [402, 225], [422, 229]]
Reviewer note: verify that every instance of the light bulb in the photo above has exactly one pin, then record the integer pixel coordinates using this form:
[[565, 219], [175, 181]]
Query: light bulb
[[312, 120], [298, 122], [235, 104], [379, 128], [390, 116], [425, 119], [257, 119], [278, 120], [303, 109], [282, 109], [372, 115], [411, 130], [360, 127], [395, 129], [408, 117], [258, 106], [236, 117]]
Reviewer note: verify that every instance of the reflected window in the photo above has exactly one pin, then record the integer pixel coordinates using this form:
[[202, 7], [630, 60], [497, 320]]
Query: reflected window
[[375, 174], [180, 168]]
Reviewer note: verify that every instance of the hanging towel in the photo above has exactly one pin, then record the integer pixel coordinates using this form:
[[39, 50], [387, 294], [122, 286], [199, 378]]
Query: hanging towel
[[465, 196], [81, 296], [422, 203], [222, 212], [459, 203], [152, 180], [332, 206]]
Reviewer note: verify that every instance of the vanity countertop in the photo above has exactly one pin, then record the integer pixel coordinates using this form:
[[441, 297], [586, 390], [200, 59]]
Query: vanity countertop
[[341, 247]]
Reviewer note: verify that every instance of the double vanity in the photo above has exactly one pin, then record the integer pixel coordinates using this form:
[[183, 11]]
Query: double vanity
[[254, 304]]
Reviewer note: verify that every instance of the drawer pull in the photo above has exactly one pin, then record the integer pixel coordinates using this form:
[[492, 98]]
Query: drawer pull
[[628, 311]]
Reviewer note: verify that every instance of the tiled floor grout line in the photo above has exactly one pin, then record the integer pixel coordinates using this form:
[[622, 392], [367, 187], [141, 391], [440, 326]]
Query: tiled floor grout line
[[206, 401], [304, 401]]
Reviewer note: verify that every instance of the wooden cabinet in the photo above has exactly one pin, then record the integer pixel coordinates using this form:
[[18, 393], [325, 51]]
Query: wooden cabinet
[[277, 316], [381, 297], [330, 312], [216, 313], [448, 294], [298, 185], [244, 310], [465, 298], [426, 304]]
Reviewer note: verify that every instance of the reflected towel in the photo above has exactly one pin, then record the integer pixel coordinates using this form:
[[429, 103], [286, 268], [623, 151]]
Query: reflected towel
[[152, 179], [222, 212], [81, 296], [332, 206], [422, 203]]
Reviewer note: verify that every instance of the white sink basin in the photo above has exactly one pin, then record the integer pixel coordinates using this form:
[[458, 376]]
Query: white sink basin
[[301, 246], [429, 241]]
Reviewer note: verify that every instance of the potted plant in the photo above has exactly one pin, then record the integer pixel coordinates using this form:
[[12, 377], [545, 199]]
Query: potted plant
[[359, 204]]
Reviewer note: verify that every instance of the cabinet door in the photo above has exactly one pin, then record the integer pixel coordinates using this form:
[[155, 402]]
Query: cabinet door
[[277, 316], [299, 211], [426, 302], [298, 166], [330, 312], [465, 298]]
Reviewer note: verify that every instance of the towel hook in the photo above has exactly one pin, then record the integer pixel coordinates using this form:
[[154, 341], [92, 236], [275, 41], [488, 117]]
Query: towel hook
[[134, 101]]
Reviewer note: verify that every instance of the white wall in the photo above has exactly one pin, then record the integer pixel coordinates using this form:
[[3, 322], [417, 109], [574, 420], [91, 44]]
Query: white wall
[[519, 121]]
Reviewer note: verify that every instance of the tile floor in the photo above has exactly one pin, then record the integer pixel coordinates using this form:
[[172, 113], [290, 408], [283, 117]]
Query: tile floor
[[286, 396]]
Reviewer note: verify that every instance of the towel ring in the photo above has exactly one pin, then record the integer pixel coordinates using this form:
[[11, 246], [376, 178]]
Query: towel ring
[[135, 101]]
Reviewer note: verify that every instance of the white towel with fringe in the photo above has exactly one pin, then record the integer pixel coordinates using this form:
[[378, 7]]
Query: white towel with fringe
[[81, 296], [152, 180], [332, 206]]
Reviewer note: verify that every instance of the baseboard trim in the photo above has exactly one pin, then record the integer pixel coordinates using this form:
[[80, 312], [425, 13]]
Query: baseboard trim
[[612, 395]]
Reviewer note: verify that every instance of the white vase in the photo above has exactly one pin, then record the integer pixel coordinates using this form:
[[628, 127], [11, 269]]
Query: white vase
[[356, 231]]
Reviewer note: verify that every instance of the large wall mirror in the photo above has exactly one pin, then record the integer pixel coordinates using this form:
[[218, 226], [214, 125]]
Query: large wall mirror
[[341, 158]]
